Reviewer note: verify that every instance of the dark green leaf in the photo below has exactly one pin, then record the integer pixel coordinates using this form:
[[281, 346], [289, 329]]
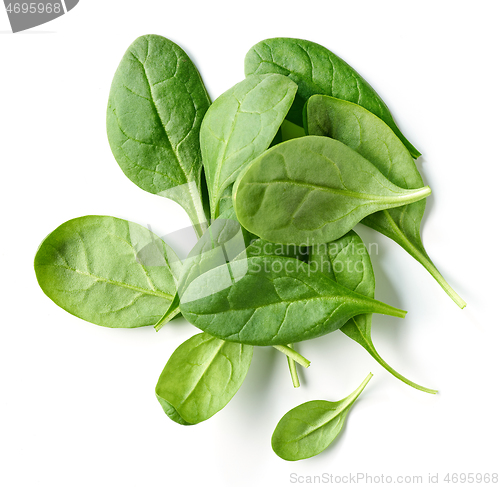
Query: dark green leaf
[[317, 71], [262, 300], [156, 104], [347, 261], [374, 140]]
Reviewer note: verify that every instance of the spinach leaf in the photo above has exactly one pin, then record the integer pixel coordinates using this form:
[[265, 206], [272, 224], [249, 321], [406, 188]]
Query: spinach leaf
[[374, 140], [317, 71], [156, 104], [312, 190], [308, 429], [239, 126], [201, 377], [108, 271], [347, 261], [265, 300]]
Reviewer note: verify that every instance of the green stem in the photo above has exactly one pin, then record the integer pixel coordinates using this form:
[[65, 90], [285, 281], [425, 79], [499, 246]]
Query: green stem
[[399, 237], [432, 269], [386, 309], [373, 352], [396, 374], [359, 390], [292, 365], [293, 354], [414, 195]]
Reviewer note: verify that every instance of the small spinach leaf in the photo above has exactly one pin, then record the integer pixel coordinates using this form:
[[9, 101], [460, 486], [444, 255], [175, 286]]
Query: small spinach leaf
[[374, 140], [308, 429], [96, 268], [347, 261], [312, 190], [317, 71], [201, 377], [156, 104], [239, 126]]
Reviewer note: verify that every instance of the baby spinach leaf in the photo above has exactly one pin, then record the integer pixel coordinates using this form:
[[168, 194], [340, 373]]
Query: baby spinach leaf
[[310, 428], [108, 271], [312, 190], [374, 140], [267, 300], [317, 71], [201, 377], [156, 104], [347, 261], [239, 126]]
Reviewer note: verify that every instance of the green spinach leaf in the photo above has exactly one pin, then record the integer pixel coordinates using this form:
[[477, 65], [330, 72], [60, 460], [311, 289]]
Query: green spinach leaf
[[267, 300], [308, 429], [108, 271], [347, 261], [312, 190], [201, 377], [156, 105], [239, 126], [374, 140], [317, 71]]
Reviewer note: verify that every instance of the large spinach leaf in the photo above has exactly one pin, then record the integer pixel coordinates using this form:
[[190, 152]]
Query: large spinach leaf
[[201, 377], [267, 300], [108, 271], [312, 190], [156, 104], [374, 140], [347, 261], [310, 428], [317, 71], [239, 126]]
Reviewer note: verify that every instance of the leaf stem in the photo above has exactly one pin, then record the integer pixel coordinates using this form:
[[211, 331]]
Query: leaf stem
[[387, 309], [292, 365], [432, 270], [352, 397], [370, 348], [420, 256], [414, 195], [293, 354]]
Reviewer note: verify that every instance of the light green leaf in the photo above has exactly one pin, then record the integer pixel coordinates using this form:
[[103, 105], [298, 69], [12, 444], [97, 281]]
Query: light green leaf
[[312, 190], [201, 377], [239, 126], [108, 271], [308, 429]]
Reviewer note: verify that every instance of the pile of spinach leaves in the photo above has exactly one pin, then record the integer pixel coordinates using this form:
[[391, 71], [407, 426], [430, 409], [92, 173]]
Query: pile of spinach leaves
[[274, 175]]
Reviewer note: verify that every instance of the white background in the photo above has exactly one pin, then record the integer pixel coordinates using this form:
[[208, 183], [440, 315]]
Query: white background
[[77, 403]]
